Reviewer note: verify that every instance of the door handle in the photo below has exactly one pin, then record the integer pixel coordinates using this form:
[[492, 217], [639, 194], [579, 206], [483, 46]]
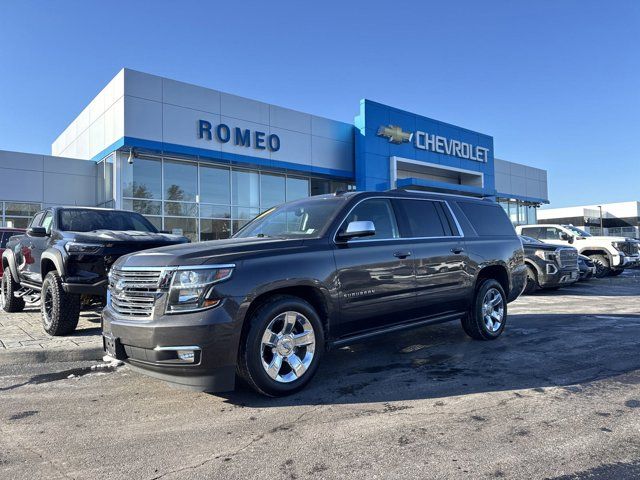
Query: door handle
[[457, 250], [402, 254]]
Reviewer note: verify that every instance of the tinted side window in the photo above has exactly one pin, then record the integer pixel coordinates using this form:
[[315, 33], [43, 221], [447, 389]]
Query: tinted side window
[[378, 211], [487, 219], [533, 232], [421, 219], [3, 239]]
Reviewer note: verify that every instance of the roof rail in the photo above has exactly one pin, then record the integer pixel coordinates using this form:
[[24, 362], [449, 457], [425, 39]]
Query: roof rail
[[425, 192]]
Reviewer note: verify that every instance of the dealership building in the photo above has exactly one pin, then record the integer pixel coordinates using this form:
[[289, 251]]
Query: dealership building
[[621, 219], [203, 162]]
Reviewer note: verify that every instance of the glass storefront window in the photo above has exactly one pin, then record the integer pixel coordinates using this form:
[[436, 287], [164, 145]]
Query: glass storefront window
[[214, 229], [145, 207], [182, 226], [214, 185], [297, 188], [156, 221], [180, 209], [21, 209], [240, 213], [271, 190], [320, 187], [16, 222], [143, 179], [180, 181], [215, 211], [245, 188]]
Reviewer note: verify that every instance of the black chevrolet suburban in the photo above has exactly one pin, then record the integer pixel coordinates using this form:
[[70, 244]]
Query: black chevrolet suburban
[[308, 275], [63, 260]]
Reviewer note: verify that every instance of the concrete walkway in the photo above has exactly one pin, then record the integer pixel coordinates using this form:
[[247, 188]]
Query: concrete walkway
[[23, 340]]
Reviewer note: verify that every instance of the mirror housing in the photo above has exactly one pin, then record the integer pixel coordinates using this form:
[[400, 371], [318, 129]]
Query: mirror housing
[[358, 229], [37, 232]]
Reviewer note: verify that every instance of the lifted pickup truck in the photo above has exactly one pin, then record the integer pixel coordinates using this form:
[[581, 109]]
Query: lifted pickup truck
[[64, 257], [611, 255]]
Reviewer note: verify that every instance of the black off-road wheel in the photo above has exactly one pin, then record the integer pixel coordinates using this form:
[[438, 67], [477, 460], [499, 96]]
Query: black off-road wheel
[[487, 316], [532, 281], [601, 262], [281, 351], [60, 310], [8, 288]]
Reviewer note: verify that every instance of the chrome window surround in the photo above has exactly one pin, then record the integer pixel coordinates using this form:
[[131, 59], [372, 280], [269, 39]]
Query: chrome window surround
[[165, 280], [455, 219]]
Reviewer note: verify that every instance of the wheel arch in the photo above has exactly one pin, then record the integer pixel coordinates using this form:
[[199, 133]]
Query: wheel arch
[[9, 262], [497, 272], [51, 260], [312, 292], [597, 251]]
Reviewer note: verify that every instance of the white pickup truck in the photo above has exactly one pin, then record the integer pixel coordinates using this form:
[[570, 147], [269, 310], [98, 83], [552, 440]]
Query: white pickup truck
[[611, 255]]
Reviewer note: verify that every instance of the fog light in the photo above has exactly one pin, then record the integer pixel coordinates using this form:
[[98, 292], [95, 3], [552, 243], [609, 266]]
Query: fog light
[[187, 355]]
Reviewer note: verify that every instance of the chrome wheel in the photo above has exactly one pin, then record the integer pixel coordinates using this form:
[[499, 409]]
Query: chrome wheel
[[287, 347], [493, 310], [47, 307]]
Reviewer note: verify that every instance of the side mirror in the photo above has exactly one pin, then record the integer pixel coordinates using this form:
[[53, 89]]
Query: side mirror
[[37, 232], [358, 229]]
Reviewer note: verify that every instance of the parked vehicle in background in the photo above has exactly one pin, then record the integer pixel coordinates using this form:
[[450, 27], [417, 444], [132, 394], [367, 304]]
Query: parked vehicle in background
[[315, 273], [611, 255], [63, 259], [587, 267], [548, 266], [5, 234]]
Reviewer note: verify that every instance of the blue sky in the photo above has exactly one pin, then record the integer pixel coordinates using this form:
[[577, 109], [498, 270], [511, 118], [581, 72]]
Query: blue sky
[[557, 83]]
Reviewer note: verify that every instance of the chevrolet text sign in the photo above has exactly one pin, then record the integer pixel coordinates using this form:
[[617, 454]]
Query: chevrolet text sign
[[435, 143]]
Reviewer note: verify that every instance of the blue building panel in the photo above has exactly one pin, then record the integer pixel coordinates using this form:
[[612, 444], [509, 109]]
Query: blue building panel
[[384, 132]]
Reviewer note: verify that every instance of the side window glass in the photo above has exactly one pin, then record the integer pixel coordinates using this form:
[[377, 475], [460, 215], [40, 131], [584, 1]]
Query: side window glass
[[35, 222], [378, 211], [422, 219], [552, 234], [46, 222], [3, 239]]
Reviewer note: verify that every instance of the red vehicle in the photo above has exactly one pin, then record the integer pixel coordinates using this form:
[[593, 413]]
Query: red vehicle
[[5, 234]]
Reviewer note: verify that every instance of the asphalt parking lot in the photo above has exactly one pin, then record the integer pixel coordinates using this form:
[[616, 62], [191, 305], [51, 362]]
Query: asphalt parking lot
[[558, 395]]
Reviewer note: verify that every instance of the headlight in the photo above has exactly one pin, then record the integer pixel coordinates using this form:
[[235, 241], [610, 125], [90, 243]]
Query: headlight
[[87, 248], [190, 288], [545, 255]]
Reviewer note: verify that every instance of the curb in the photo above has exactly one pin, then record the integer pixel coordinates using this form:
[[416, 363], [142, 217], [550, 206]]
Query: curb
[[22, 356]]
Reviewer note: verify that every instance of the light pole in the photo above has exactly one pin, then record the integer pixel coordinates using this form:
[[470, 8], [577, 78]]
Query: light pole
[[601, 229]]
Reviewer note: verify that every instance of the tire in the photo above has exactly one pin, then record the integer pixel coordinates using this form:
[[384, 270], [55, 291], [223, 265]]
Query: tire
[[602, 265], [474, 323], [8, 300], [261, 346], [531, 284], [615, 273], [60, 310]]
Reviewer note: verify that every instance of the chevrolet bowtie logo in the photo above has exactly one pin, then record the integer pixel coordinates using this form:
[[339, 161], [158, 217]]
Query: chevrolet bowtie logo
[[395, 134]]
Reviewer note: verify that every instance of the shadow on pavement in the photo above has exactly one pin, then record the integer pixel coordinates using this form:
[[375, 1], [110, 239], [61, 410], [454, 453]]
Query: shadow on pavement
[[535, 352]]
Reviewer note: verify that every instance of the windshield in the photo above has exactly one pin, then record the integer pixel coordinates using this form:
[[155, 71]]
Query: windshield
[[307, 218], [80, 220], [577, 231]]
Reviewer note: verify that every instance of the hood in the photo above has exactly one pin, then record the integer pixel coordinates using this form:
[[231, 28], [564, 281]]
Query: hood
[[214, 251], [601, 238], [129, 236], [540, 246]]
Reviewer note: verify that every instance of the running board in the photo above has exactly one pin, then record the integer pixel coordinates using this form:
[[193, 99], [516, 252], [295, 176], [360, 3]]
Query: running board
[[395, 328]]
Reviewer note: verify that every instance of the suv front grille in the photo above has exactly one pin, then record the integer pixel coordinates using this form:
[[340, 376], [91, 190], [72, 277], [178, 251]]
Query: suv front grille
[[134, 292], [568, 257], [628, 248]]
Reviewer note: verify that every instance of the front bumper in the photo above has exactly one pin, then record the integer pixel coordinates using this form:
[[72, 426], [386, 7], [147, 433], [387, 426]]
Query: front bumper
[[150, 346], [556, 277], [626, 261]]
